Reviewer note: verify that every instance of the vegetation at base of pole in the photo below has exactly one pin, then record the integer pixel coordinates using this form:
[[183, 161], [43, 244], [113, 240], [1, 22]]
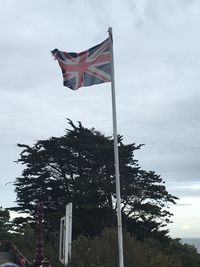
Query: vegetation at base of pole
[[102, 250]]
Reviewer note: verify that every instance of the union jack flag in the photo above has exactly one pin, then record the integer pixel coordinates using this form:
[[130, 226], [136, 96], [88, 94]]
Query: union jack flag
[[86, 68]]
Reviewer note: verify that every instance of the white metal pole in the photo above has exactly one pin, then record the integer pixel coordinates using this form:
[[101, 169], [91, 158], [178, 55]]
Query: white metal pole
[[116, 156]]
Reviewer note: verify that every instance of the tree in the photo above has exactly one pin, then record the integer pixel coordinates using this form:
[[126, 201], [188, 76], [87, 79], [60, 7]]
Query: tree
[[79, 167], [4, 224]]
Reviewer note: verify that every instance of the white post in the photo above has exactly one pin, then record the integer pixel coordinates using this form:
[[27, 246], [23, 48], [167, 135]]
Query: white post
[[66, 247], [70, 231], [62, 240], [66, 236], [116, 156]]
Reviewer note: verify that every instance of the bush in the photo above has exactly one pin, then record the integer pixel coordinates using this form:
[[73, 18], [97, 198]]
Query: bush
[[102, 251]]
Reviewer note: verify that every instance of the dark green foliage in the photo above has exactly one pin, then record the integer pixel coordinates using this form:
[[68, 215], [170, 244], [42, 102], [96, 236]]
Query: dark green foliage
[[5, 225], [79, 167], [19, 224], [26, 244], [102, 251], [90, 221], [185, 253]]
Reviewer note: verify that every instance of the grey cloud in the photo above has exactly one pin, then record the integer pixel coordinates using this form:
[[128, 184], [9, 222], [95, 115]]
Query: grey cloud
[[185, 190]]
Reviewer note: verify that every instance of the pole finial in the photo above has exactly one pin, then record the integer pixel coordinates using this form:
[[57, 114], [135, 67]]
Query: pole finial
[[110, 33]]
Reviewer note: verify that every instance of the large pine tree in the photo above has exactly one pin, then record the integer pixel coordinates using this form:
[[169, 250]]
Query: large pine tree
[[79, 167]]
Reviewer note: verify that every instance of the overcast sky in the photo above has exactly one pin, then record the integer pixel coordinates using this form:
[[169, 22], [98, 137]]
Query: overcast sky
[[157, 66]]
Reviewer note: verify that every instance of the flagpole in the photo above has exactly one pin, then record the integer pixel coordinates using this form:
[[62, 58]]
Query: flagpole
[[116, 156]]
